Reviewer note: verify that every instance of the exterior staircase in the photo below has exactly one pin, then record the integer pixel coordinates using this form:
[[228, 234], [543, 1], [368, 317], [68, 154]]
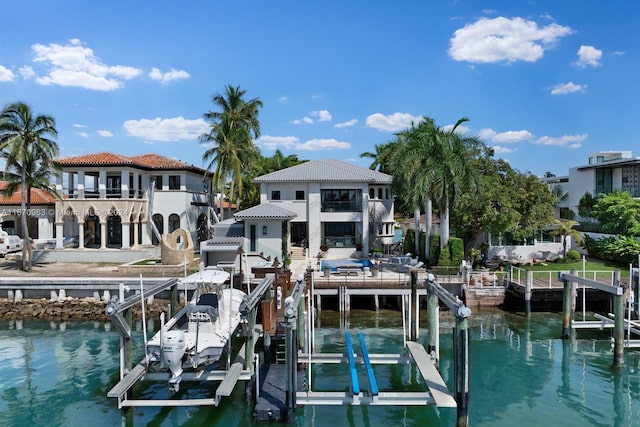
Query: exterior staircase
[[298, 253]]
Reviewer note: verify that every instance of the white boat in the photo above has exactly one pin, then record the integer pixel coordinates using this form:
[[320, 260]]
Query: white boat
[[199, 333]]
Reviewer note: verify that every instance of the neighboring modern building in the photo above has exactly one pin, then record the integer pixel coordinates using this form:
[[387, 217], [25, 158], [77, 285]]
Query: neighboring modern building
[[605, 172], [320, 204], [108, 200]]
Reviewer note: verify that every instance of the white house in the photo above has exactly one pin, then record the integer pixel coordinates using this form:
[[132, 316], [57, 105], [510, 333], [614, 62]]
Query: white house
[[327, 204], [40, 213], [109, 199], [605, 172]]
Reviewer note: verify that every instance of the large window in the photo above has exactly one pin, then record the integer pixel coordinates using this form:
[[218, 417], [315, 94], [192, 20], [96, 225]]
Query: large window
[[341, 200], [604, 181], [174, 182], [113, 186], [339, 234]]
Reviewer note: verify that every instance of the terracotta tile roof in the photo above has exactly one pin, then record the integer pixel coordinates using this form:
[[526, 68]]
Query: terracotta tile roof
[[149, 161], [38, 197]]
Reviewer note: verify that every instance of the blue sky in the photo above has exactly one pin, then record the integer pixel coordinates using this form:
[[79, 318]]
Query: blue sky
[[546, 83]]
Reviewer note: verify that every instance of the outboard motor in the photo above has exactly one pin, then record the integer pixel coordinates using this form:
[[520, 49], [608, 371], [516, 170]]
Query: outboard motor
[[173, 349]]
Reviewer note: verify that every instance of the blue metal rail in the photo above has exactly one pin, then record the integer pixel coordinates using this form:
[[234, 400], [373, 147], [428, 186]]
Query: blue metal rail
[[355, 386], [373, 385]]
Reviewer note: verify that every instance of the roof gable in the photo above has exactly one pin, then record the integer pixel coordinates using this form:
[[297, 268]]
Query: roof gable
[[265, 211]]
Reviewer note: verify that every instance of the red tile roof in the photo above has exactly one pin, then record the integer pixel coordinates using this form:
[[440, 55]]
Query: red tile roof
[[145, 161], [38, 197]]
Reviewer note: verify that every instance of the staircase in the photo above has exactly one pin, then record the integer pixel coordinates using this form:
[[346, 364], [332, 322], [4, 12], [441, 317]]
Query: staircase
[[298, 253]]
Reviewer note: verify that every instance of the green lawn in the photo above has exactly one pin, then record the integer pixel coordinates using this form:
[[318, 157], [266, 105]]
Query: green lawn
[[589, 266]]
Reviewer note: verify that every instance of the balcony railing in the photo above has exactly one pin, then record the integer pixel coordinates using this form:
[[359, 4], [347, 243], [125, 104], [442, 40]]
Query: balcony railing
[[341, 206]]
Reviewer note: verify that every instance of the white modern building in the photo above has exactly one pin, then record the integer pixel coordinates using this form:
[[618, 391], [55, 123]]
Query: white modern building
[[605, 172], [320, 204], [109, 200]]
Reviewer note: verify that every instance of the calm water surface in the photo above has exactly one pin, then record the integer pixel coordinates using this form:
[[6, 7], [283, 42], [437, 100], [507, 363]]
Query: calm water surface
[[54, 374]]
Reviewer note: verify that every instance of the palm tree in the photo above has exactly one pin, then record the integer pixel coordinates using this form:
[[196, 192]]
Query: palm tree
[[37, 175], [382, 156], [565, 229], [232, 132], [450, 171], [25, 143]]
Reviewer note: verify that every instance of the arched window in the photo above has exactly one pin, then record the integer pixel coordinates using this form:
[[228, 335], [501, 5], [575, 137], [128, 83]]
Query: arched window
[[372, 193], [174, 222], [158, 220], [379, 193]]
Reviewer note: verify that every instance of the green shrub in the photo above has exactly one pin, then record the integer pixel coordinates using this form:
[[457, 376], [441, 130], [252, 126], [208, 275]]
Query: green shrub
[[434, 250], [452, 254], [573, 255], [409, 241]]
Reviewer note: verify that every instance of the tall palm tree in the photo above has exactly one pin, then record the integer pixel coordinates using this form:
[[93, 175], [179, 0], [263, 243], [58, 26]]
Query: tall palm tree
[[231, 136], [451, 171], [25, 138]]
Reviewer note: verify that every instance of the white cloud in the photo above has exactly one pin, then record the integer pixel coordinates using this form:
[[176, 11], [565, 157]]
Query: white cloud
[[104, 133], [282, 99], [169, 76], [589, 56], [274, 142], [305, 120], [618, 53], [323, 144], [565, 88], [393, 123], [507, 137], [26, 72], [83, 134], [76, 66], [569, 141], [322, 115], [6, 75], [77, 125], [460, 130], [346, 124], [512, 136], [174, 129], [504, 40], [293, 143], [502, 150], [486, 133]]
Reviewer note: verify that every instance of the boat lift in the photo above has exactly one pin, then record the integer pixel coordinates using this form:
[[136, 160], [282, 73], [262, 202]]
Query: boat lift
[[436, 392], [242, 368], [615, 320]]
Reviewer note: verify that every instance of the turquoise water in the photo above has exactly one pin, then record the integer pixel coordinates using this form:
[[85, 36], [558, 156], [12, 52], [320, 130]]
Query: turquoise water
[[54, 374], [333, 263]]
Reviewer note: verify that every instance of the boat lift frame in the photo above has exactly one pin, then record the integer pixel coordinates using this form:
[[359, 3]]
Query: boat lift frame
[[437, 393], [615, 320], [242, 368]]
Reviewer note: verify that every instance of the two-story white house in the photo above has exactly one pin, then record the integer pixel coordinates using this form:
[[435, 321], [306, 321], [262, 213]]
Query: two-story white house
[[325, 204], [605, 172], [108, 200]]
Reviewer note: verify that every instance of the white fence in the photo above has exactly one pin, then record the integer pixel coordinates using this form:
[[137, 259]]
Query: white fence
[[550, 279]]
